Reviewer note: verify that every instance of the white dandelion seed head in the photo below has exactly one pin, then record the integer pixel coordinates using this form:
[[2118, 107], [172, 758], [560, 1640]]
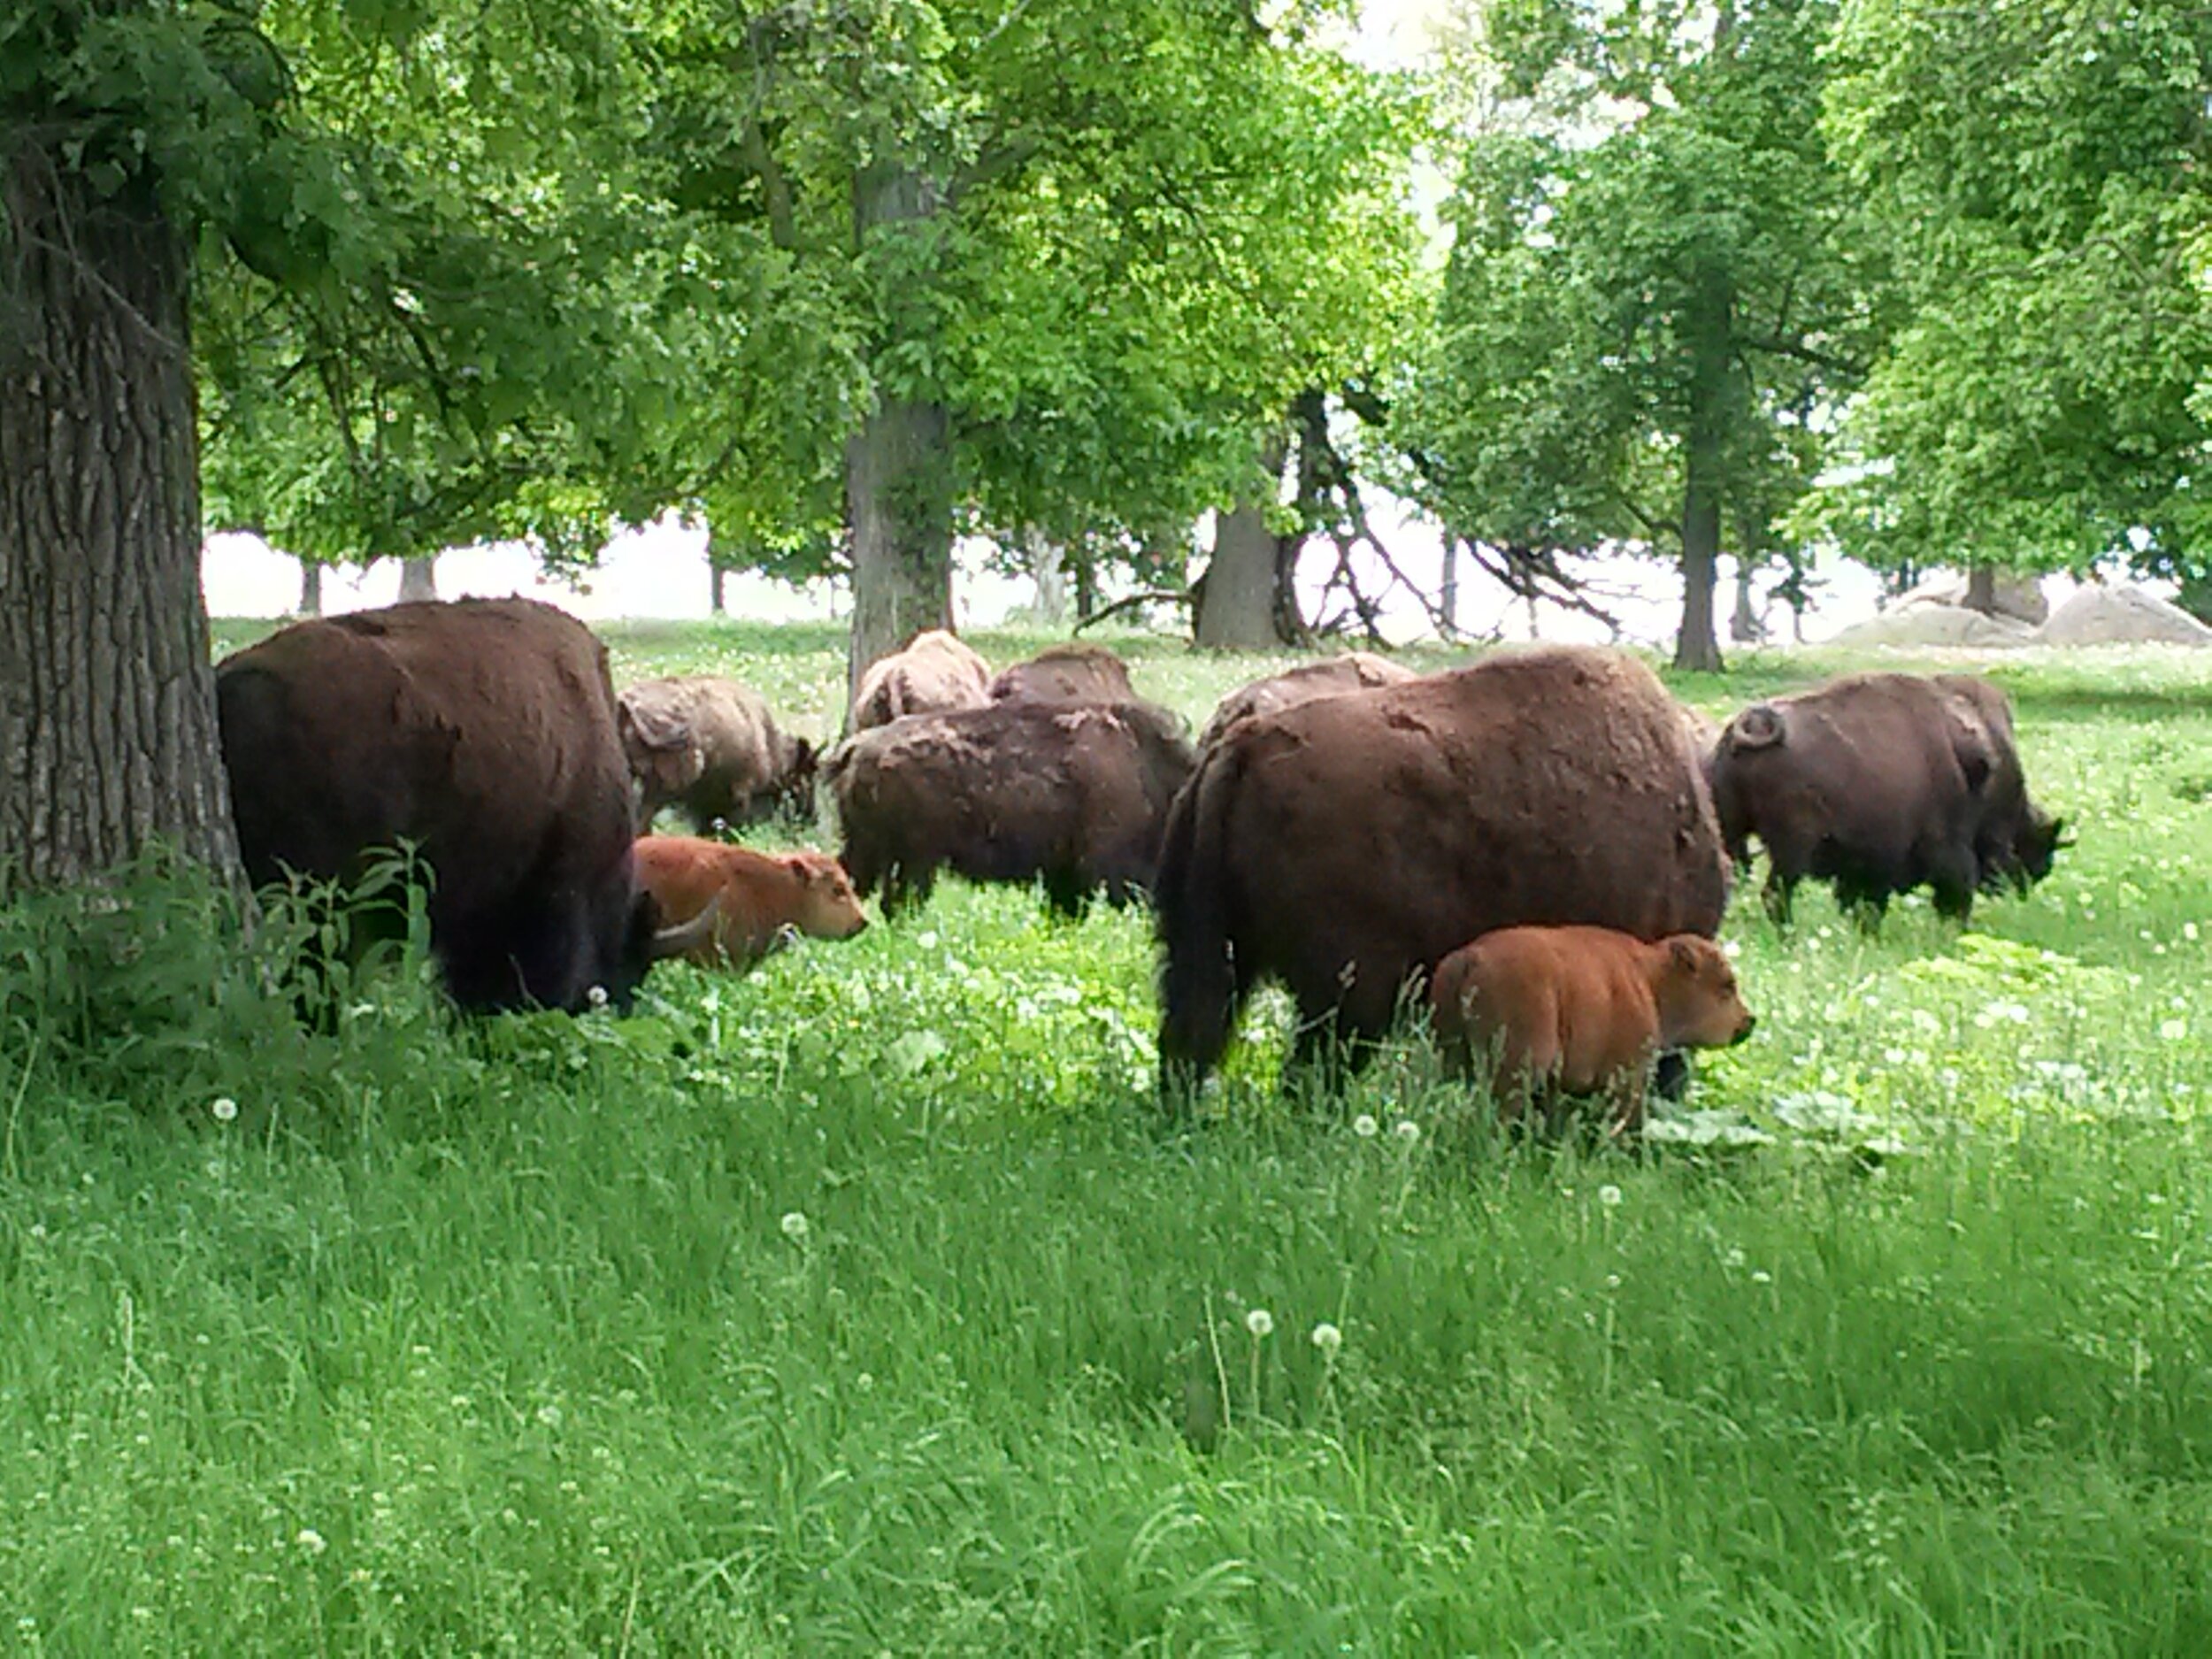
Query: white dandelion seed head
[[1609, 1196], [1328, 1338], [795, 1226], [1407, 1130], [1365, 1126], [1259, 1322], [596, 996], [222, 1109]]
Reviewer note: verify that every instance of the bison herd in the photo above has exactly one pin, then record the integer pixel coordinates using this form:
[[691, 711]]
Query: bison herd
[[1542, 841]]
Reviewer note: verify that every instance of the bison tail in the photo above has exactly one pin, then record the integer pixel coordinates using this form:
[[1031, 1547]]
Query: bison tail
[[1198, 980], [1759, 726]]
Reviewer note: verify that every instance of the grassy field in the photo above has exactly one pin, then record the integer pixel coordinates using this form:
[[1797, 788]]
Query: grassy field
[[866, 1305]]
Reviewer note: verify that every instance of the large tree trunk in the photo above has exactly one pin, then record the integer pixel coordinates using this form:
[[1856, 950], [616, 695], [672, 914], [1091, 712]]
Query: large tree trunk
[[717, 601], [417, 579], [1241, 606], [1697, 647], [898, 468], [1981, 589], [1049, 568], [311, 603], [108, 742], [1744, 628], [1448, 589]]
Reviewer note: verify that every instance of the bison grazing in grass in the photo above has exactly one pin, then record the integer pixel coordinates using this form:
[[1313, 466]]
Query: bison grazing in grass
[[1556, 1012], [1073, 793], [710, 746], [1074, 673], [1355, 671], [935, 674], [483, 732], [1880, 783], [1346, 845], [759, 899]]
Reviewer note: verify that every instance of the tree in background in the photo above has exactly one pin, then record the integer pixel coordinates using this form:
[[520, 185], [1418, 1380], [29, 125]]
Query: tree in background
[[1032, 274], [378, 247], [2045, 172], [1657, 283]]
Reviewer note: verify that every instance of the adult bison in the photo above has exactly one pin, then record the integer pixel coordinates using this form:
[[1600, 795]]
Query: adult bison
[[1074, 672], [1346, 845], [936, 672], [1354, 671], [710, 745], [1073, 793], [481, 731], [1880, 783]]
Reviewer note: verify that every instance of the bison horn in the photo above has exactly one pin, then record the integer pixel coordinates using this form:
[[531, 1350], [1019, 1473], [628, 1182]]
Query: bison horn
[[684, 937]]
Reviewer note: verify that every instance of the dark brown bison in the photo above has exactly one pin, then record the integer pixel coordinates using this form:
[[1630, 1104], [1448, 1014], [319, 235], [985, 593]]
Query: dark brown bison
[[481, 731], [1355, 671], [1880, 783], [936, 673], [1074, 673], [1347, 845], [1073, 793], [710, 745]]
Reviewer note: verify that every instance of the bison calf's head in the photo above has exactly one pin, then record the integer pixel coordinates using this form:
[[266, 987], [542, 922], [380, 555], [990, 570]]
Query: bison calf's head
[[828, 908], [1700, 1005]]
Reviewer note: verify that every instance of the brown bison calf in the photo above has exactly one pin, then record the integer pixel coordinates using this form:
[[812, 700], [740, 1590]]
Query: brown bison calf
[[1581, 1010], [1074, 673], [758, 901], [710, 745], [936, 673], [1074, 793]]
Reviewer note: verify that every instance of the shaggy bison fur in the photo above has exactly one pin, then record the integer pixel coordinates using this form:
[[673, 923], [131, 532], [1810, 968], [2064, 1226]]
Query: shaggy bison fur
[[1073, 793], [1880, 783], [936, 673], [1347, 845], [482, 731], [1074, 673], [1355, 671], [710, 746]]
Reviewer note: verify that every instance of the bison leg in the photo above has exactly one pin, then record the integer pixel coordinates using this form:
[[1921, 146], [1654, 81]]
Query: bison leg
[[1777, 895], [1954, 873], [1068, 894], [1671, 1075]]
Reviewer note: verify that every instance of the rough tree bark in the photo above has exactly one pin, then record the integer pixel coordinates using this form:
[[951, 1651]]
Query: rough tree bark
[[1981, 589], [1447, 588], [417, 579], [1744, 628], [898, 467], [311, 603], [1241, 609], [1049, 568], [1697, 646], [717, 600], [108, 742]]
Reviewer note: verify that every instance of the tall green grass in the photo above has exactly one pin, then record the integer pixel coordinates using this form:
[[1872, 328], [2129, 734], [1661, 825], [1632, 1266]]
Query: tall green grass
[[867, 1304]]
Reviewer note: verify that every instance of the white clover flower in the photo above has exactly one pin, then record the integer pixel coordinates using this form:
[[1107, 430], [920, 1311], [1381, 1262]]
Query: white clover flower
[[793, 1225], [2189, 932], [2173, 1030], [550, 1416], [1609, 1196], [1259, 1322], [596, 996], [1612, 1281], [1407, 1130], [222, 1109], [1762, 1277], [1328, 1338], [310, 1540], [1365, 1126], [1735, 1256]]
